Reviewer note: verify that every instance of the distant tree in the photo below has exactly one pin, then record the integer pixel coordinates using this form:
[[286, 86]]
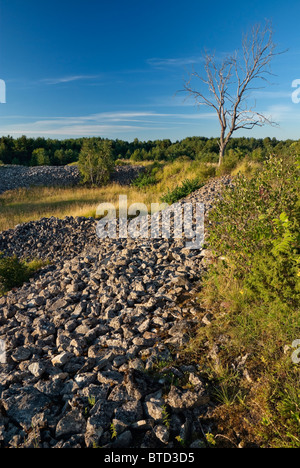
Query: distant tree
[[40, 157], [227, 84], [63, 157], [96, 162]]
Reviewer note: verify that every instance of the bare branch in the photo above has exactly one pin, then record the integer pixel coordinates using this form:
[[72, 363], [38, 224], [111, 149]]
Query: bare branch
[[228, 83]]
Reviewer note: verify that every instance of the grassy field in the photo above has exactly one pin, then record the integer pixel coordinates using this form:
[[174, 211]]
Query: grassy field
[[24, 205]]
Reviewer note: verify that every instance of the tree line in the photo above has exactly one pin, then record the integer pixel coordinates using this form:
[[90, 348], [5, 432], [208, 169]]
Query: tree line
[[41, 151]]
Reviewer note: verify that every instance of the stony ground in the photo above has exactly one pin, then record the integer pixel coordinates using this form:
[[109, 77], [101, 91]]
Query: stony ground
[[92, 341], [14, 177]]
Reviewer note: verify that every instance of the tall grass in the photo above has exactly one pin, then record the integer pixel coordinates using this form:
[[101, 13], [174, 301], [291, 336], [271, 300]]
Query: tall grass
[[24, 205]]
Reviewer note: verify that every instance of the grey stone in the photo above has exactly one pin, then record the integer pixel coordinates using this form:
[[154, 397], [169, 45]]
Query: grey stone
[[123, 440], [61, 359], [72, 423], [180, 399], [85, 328], [126, 415], [37, 369], [162, 433], [21, 406], [102, 413], [21, 354], [154, 410]]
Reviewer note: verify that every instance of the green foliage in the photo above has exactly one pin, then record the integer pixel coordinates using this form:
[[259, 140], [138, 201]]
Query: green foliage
[[96, 162], [254, 235], [200, 149], [120, 162], [186, 188], [210, 439], [249, 213], [113, 431], [15, 272], [231, 160], [63, 157], [40, 157], [166, 417], [144, 180], [148, 178]]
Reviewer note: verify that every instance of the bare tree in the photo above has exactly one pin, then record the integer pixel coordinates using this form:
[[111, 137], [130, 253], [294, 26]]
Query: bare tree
[[229, 82]]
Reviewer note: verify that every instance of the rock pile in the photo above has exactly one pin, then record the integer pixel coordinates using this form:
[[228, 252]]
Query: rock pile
[[14, 177], [124, 175], [91, 341]]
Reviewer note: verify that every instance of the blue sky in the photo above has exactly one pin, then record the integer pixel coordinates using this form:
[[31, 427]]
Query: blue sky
[[111, 68]]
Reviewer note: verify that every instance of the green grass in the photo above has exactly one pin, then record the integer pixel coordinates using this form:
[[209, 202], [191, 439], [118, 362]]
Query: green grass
[[186, 188]]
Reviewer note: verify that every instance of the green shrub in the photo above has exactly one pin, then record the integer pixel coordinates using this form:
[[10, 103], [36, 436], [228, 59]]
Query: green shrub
[[148, 178], [15, 272], [144, 180], [230, 161], [246, 219], [40, 157], [253, 289], [188, 186]]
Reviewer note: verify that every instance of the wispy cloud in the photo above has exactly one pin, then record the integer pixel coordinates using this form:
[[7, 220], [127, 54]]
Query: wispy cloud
[[284, 113], [68, 79], [141, 124], [174, 62], [271, 95], [104, 124]]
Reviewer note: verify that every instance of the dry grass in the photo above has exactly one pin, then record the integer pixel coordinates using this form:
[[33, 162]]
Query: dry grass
[[21, 206], [24, 205]]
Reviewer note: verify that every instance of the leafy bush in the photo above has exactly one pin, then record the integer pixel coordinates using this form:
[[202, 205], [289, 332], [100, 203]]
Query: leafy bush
[[253, 213], [148, 178], [144, 180], [231, 160], [253, 289], [188, 186], [15, 272], [96, 162]]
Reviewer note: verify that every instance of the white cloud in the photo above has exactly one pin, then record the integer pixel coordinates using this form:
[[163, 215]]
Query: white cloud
[[103, 124], [68, 79], [271, 95], [284, 113], [173, 62]]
